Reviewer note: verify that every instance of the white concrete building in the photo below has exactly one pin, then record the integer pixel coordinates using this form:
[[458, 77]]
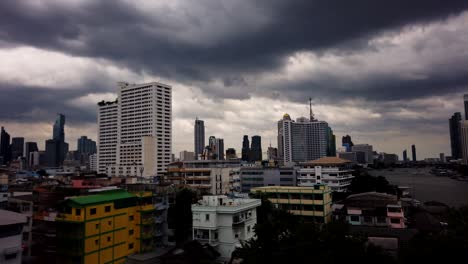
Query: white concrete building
[[11, 235], [93, 162], [107, 134], [332, 171], [23, 203], [223, 222], [142, 140], [301, 140]]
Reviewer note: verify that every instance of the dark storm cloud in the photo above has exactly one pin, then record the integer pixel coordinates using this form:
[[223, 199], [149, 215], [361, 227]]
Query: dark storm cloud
[[117, 31], [37, 104]]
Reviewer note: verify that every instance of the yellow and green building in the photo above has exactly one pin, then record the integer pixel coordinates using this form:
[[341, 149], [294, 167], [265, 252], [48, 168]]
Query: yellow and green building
[[313, 203], [105, 227]]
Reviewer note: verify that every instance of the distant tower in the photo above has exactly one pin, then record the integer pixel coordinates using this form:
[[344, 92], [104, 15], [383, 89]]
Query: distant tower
[[231, 154], [5, 150], [311, 113], [212, 148], [17, 147], [405, 156], [347, 143], [256, 149], [219, 149], [59, 128], [454, 126], [413, 152], [464, 140], [199, 137], [245, 148], [465, 99]]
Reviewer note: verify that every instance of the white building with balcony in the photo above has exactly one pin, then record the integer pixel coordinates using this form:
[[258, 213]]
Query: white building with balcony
[[223, 222], [11, 234], [332, 171]]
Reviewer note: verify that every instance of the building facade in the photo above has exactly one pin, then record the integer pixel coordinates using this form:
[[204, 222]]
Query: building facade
[[332, 171], [367, 150], [413, 153], [371, 209], [224, 223], [313, 202], [105, 227], [199, 137], [219, 149], [256, 149], [186, 155], [5, 149], [302, 140], [11, 230], [28, 148], [140, 134], [454, 128], [245, 149], [464, 140], [252, 177], [17, 147]]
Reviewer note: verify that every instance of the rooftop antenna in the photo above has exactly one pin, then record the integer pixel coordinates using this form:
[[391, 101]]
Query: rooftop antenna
[[311, 113]]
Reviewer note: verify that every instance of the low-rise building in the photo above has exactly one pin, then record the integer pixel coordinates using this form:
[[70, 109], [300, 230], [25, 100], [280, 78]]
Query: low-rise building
[[223, 222], [24, 205], [11, 230], [311, 202], [206, 176], [105, 227], [371, 209], [251, 177], [332, 171]]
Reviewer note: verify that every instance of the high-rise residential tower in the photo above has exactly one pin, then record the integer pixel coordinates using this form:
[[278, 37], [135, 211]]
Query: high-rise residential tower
[[245, 148], [301, 140], [199, 137], [29, 147], [413, 152], [5, 149], [405, 156], [86, 145], [17, 147], [464, 140], [454, 126], [331, 143], [140, 124], [256, 149], [219, 149]]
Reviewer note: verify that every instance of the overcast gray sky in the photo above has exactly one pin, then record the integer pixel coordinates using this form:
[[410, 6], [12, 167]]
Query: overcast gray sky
[[389, 73]]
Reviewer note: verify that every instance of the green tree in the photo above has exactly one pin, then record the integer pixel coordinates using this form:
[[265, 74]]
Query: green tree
[[182, 214]]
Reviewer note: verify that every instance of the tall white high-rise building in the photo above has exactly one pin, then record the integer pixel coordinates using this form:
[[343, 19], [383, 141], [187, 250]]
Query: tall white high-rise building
[[301, 140], [107, 135], [142, 140]]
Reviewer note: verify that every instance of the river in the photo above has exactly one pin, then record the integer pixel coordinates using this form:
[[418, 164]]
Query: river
[[428, 187]]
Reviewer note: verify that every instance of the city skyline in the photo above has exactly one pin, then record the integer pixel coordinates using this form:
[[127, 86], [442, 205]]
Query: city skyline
[[381, 84]]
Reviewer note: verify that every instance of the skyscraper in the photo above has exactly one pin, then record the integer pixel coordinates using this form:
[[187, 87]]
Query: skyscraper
[[5, 149], [86, 145], [454, 126], [347, 143], [135, 131], [256, 149], [464, 140], [17, 147], [413, 152], [29, 147], [303, 140], [272, 153], [367, 149], [219, 149], [405, 155], [53, 150], [245, 148], [331, 143], [199, 137], [465, 101], [59, 128]]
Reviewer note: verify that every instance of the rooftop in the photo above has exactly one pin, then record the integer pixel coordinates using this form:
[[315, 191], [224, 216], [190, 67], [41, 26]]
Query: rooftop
[[104, 197], [11, 218], [292, 189], [328, 161]]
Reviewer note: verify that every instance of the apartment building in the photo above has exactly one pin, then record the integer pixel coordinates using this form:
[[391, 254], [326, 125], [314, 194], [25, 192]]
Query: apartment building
[[11, 229], [258, 176], [311, 202], [332, 171], [223, 222]]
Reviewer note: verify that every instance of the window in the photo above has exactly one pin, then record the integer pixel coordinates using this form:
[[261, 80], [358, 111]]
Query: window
[[381, 219], [97, 226], [109, 222], [131, 218], [130, 246], [207, 217], [394, 220], [78, 212], [108, 239], [92, 211], [236, 236], [248, 229], [354, 218], [130, 232], [107, 209], [96, 242]]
